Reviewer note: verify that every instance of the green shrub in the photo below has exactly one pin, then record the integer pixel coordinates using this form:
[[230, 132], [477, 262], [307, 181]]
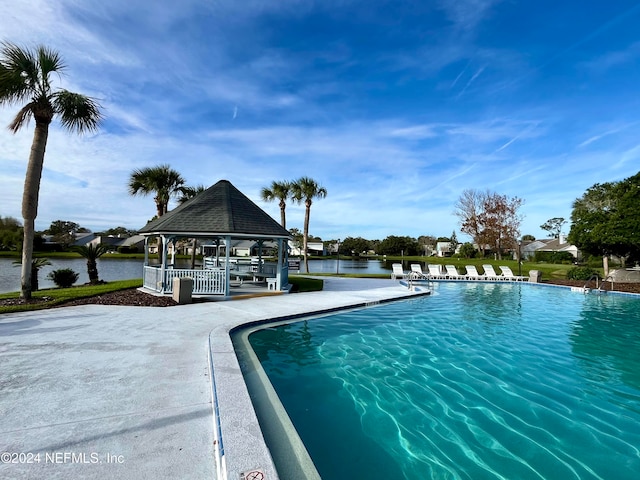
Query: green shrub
[[467, 250], [553, 257], [63, 277], [581, 273]]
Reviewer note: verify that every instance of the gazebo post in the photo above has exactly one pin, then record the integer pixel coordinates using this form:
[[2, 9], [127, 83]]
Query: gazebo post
[[227, 266], [260, 255], [173, 251], [146, 251], [163, 268], [280, 264]]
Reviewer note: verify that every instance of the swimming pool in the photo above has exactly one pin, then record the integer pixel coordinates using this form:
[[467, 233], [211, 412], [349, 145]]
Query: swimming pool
[[477, 381]]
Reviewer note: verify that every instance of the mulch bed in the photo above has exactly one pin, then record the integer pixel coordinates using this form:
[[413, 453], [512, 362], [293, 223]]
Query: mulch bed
[[133, 297]]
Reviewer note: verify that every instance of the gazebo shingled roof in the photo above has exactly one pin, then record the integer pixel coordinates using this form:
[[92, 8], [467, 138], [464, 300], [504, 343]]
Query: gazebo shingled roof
[[220, 210]]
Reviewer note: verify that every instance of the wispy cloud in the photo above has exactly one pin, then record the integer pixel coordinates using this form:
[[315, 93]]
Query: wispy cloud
[[394, 107], [467, 14], [614, 59]]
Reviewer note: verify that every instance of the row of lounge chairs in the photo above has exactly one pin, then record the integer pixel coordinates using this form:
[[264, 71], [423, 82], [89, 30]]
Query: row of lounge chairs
[[451, 273]]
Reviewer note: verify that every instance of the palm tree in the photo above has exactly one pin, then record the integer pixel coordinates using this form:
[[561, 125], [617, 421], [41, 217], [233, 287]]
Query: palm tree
[[25, 78], [307, 189], [92, 252], [280, 191], [187, 194], [36, 265], [162, 181]]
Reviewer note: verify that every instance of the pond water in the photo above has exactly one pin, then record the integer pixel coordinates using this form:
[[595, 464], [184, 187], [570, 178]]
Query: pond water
[[111, 269]]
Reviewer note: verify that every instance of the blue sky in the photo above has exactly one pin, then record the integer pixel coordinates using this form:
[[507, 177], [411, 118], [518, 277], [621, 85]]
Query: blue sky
[[395, 107]]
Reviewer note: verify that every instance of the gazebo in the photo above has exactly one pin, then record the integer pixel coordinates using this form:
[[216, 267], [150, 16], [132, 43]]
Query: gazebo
[[221, 214]]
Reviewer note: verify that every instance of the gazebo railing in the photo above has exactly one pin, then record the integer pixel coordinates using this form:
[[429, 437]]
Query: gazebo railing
[[205, 282], [211, 282], [152, 278]]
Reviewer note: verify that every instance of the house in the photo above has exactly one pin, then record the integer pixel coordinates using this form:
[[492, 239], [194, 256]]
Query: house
[[83, 238], [443, 249], [549, 245], [135, 242], [528, 249], [314, 248]]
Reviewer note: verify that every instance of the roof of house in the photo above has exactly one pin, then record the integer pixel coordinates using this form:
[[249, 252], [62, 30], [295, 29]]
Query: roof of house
[[220, 210], [554, 245]]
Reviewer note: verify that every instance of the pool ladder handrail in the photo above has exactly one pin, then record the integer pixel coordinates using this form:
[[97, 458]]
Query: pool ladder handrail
[[595, 277], [610, 277], [415, 276], [599, 285]]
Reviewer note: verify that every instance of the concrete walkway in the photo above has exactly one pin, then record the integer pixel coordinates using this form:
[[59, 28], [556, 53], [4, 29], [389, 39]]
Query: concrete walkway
[[106, 392]]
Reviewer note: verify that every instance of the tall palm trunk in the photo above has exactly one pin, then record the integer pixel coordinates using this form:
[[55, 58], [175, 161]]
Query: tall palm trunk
[[305, 236], [283, 217], [92, 270], [30, 201]]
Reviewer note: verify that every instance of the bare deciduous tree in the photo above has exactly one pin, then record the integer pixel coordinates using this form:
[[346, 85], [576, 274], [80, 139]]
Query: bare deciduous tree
[[491, 219]]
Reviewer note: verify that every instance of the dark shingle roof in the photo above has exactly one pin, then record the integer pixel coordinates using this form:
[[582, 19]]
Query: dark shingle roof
[[221, 209]]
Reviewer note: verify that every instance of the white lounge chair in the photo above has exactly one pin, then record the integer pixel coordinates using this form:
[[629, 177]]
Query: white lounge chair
[[491, 274], [416, 272], [472, 273], [435, 272], [397, 272], [508, 274], [453, 274]]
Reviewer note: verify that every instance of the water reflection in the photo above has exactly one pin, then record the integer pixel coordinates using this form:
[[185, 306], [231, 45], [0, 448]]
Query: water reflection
[[606, 339], [288, 347]]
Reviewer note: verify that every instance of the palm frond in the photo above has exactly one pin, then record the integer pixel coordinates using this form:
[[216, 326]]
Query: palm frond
[[22, 61], [306, 189], [78, 113], [162, 180], [139, 182], [91, 251], [18, 74], [278, 190], [22, 118], [50, 61], [187, 193]]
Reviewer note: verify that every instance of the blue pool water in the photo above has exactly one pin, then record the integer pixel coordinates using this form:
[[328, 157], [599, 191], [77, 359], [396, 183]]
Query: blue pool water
[[478, 381]]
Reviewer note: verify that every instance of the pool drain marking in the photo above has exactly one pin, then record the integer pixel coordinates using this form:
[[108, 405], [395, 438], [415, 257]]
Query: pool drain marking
[[257, 474]]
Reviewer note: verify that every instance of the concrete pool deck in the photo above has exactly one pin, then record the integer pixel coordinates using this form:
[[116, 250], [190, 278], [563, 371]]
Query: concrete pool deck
[[100, 392]]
